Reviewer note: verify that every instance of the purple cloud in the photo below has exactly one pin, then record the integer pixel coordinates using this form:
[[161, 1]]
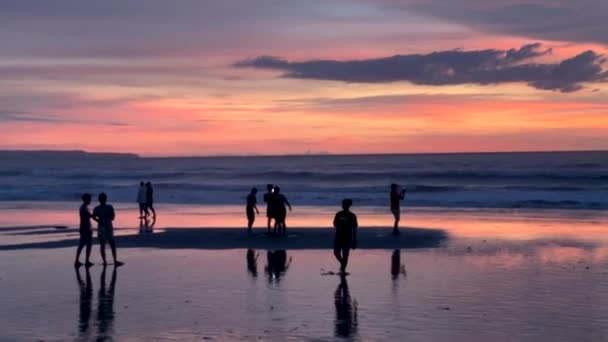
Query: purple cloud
[[451, 67]]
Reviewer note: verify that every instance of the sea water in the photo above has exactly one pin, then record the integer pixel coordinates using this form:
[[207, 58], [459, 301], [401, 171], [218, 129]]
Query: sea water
[[561, 180]]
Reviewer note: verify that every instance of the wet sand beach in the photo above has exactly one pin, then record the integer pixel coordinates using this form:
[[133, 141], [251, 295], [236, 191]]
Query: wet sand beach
[[475, 276], [231, 238]]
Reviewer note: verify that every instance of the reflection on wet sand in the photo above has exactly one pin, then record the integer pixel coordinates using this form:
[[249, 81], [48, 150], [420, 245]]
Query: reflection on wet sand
[[396, 267], [252, 262], [346, 321], [277, 265], [146, 224], [86, 298], [105, 307]]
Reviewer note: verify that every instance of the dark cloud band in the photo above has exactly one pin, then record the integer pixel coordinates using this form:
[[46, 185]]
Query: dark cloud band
[[452, 67]]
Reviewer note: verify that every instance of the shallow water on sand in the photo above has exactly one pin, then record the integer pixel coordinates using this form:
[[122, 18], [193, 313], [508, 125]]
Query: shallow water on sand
[[501, 276], [522, 292]]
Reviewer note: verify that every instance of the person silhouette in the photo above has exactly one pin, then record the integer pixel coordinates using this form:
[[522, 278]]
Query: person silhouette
[[279, 201], [150, 198], [268, 196], [346, 321], [141, 200], [249, 209], [105, 307], [252, 262], [396, 196], [104, 215], [86, 299], [345, 238], [86, 231]]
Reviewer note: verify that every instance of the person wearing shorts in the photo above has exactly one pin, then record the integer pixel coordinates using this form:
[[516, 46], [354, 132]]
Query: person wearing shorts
[[346, 225], [86, 232], [104, 215]]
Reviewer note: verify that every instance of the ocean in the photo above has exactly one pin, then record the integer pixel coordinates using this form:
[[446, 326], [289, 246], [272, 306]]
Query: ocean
[[547, 180]]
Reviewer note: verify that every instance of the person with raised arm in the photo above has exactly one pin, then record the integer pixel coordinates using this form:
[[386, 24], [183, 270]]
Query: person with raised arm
[[250, 208]]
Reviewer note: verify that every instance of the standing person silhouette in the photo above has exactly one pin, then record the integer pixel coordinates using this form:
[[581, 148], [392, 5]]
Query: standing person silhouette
[[268, 196], [104, 215], [345, 238], [249, 209], [86, 231], [150, 199], [279, 201], [396, 197], [141, 200]]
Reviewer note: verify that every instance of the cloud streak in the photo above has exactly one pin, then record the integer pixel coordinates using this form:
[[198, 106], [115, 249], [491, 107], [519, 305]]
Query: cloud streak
[[558, 20], [490, 66]]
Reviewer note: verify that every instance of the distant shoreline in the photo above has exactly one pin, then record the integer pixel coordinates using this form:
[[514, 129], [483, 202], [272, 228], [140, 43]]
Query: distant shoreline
[[87, 154]]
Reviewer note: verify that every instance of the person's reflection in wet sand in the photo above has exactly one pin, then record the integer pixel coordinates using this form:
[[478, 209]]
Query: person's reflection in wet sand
[[252, 262], [277, 265], [146, 224], [105, 307], [396, 267], [86, 299], [346, 311]]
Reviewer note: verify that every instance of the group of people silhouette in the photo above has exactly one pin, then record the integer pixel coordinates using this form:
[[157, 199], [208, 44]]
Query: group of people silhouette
[[104, 215], [276, 209], [145, 199], [345, 221]]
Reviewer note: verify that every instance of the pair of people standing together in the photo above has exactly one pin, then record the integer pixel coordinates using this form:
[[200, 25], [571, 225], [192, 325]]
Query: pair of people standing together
[[276, 209], [145, 198], [103, 214]]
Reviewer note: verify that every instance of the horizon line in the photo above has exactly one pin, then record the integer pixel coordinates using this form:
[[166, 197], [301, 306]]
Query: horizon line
[[305, 154]]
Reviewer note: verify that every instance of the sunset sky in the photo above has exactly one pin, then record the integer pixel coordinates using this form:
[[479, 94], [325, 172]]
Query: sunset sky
[[195, 77]]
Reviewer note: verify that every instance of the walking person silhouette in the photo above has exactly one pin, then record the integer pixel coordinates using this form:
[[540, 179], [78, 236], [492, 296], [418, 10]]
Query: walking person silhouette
[[345, 238]]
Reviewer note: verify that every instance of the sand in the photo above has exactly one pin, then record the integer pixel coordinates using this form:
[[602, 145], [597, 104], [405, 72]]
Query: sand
[[230, 238]]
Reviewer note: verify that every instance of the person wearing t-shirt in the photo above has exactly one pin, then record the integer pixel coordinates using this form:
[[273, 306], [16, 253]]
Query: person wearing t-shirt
[[251, 206], [86, 232], [396, 197], [104, 215], [346, 225]]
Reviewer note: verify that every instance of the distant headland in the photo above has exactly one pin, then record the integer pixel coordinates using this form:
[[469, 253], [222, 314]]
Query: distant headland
[[63, 154]]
